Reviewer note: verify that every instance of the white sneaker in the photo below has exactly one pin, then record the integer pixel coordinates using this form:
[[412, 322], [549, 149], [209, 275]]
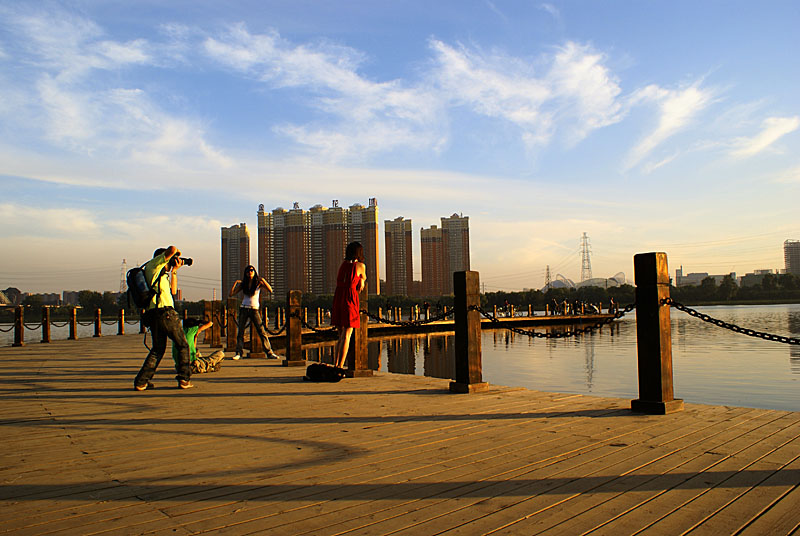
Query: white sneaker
[[236, 357]]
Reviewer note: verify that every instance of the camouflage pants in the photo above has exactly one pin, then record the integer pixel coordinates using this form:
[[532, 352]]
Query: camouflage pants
[[208, 364]]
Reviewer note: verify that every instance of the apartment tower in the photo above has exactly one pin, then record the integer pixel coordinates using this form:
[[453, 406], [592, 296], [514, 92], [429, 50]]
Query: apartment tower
[[302, 250], [432, 261], [235, 255], [455, 243], [399, 260]]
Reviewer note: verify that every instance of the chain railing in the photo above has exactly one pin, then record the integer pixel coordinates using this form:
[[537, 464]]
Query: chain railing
[[557, 334], [32, 326], [728, 325], [7, 330]]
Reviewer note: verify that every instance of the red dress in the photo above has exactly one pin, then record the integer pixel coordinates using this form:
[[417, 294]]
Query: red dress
[[345, 312]]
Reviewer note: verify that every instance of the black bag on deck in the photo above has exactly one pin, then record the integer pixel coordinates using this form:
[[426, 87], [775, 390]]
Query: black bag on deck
[[320, 372]]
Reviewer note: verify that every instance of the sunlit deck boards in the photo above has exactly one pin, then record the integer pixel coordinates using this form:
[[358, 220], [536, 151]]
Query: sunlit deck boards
[[253, 449]]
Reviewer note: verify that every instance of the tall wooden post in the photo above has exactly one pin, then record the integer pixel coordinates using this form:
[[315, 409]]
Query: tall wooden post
[[357, 360], [98, 323], [45, 324], [653, 336], [230, 336], [121, 322], [73, 324], [319, 317], [294, 333], [142, 329], [19, 327], [466, 287], [216, 327]]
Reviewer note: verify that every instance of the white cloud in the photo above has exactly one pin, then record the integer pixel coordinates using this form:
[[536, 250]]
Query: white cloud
[[773, 128], [677, 109], [15, 219], [577, 93]]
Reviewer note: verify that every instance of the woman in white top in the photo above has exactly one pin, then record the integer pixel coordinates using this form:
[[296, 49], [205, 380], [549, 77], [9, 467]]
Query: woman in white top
[[250, 285]]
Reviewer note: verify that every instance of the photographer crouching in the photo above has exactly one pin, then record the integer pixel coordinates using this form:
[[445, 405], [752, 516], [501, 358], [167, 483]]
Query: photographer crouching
[[163, 320]]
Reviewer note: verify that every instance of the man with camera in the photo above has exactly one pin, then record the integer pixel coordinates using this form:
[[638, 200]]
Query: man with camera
[[163, 320]]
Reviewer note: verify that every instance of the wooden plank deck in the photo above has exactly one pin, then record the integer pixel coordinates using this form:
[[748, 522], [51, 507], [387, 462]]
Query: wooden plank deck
[[253, 449]]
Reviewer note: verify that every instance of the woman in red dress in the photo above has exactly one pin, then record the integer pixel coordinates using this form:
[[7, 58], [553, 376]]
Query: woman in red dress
[[346, 311]]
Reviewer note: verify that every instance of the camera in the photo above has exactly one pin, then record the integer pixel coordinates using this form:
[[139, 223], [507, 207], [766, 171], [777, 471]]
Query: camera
[[187, 261]]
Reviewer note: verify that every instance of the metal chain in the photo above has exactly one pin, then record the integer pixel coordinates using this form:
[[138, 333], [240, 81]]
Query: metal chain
[[727, 325], [33, 326], [90, 323], [109, 322], [409, 323], [7, 330], [57, 325], [283, 328], [557, 335]]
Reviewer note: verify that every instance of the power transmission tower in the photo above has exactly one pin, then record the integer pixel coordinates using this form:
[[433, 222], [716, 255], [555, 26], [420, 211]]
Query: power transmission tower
[[547, 279], [122, 272], [586, 262]]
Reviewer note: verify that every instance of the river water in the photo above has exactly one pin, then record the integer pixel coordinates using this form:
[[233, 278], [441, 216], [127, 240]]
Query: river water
[[711, 365]]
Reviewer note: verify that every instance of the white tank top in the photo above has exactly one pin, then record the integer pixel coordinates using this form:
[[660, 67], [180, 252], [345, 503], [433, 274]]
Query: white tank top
[[251, 301]]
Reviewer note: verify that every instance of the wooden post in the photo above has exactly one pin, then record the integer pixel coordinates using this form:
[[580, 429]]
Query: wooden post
[[512, 310], [530, 310], [357, 360], [319, 317], [216, 327], [466, 286], [142, 329], [45, 324], [653, 336], [305, 316], [73, 324], [185, 314], [294, 333], [98, 323], [121, 322], [230, 335], [427, 311], [494, 311], [19, 327]]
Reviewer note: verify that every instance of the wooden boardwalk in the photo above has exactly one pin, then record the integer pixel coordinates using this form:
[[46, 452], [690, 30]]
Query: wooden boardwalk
[[253, 449]]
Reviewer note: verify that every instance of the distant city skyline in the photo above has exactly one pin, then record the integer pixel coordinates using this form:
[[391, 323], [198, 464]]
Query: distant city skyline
[[650, 126]]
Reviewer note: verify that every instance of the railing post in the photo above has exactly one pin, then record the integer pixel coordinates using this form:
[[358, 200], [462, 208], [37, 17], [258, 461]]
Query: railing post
[[230, 335], [294, 330], [217, 315], [121, 322], [19, 327], [45, 323], [73, 324], [319, 317], [653, 336], [357, 361], [142, 329], [466, 287], [98, 329]]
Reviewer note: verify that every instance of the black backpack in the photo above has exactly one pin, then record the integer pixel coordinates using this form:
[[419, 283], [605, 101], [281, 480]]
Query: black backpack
[[139, 290], [320, 372]]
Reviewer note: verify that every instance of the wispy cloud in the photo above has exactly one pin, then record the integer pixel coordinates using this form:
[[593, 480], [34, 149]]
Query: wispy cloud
[[676, 110], [77, 100], [576, 93], [773, 128], [370, 116]]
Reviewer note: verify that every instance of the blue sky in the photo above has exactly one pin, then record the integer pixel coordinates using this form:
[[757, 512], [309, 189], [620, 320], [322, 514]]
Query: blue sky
[[650, 126]]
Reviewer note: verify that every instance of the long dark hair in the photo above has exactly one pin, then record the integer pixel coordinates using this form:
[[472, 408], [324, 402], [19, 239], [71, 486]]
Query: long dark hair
[[250, 287], [354, 252]]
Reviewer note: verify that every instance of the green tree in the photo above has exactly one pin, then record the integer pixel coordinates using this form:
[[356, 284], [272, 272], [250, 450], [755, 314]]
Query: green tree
[[727, 289]]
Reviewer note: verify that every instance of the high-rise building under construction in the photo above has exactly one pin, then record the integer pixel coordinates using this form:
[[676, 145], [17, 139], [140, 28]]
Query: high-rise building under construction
[[791, 256]]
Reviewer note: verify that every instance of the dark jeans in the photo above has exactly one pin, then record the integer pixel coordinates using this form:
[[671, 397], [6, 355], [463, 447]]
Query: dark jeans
[[247, 314], [165, 324]]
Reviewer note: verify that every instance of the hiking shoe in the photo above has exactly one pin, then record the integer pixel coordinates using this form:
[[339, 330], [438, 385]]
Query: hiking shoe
[[185, 384], [273, 355], [237, 357], [148, 385]]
